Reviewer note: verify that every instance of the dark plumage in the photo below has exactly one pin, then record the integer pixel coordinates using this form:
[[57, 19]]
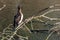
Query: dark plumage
[[17, 17]]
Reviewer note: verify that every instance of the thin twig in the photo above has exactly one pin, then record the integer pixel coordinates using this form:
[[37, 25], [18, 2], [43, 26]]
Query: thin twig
[[49, 35], [2, 7]]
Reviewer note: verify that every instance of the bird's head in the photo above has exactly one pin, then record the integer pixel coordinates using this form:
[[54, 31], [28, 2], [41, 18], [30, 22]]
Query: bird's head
[[19, 7]]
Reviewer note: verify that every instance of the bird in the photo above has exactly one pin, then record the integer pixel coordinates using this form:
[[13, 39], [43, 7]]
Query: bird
[[18, 17]]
